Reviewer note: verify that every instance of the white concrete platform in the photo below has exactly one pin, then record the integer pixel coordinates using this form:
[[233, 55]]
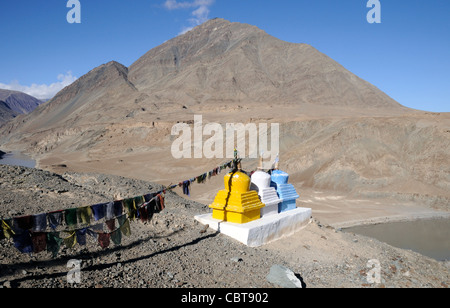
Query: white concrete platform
[[262, 231]]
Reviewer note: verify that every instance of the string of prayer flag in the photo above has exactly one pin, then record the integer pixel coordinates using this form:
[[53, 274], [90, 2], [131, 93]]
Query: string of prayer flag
[[48, 231], [30, 233]]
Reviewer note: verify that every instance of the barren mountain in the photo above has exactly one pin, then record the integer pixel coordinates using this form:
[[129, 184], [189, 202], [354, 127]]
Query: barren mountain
[[84, 101], [14, 103], [219, 65], [338, 132], [222, 63], [6, 113], [19, 102]]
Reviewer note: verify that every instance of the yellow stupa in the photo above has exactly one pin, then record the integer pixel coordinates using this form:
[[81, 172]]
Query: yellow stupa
[[237, 204]]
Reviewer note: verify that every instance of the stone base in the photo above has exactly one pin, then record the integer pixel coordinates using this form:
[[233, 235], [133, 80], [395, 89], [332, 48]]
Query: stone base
[[262, 231]]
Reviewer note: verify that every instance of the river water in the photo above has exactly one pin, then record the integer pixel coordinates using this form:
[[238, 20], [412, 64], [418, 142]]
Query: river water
[[429, 237], [17, 159]]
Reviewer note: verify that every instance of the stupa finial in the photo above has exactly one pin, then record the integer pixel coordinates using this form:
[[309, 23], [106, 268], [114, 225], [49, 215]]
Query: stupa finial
[[261, 161], [276, 163], [237, 161]]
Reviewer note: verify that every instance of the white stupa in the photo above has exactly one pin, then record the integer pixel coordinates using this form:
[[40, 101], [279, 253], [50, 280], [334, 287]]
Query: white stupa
[[261, 183]]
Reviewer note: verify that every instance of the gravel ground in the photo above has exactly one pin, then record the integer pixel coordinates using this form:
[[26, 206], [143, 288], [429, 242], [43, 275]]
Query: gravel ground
[[175, 251]]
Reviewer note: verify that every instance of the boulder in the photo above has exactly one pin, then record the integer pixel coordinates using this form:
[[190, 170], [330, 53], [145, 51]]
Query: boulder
[[284, 278]]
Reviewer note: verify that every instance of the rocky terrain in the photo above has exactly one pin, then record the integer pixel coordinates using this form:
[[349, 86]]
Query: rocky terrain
[[174, 251]]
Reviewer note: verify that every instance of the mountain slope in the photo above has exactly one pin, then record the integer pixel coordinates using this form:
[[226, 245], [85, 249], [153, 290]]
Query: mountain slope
[[223, 62], [14, 103], [6, 113], [19, 102], [218, 66], [92, 99]]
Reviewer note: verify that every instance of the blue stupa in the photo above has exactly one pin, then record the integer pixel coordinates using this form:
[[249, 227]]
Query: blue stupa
[[285, 191]]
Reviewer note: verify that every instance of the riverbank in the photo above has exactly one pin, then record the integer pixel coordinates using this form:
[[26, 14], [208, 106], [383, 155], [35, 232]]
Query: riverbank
[[17, 159], [428, 237], [343, 211], [321, 254]]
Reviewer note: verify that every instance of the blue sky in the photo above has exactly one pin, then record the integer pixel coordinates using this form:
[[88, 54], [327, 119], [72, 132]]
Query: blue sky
[[407, 55]]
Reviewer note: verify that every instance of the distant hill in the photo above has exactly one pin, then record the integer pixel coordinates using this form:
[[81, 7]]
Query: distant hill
[[14, 103], [6, 113], [19, 102], [97, 97]]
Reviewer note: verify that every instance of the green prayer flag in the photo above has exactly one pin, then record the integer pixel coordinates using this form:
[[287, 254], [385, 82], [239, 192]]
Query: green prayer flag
[[138, 201], [71, 217], [53, 243], [124, 224], [116, 237]]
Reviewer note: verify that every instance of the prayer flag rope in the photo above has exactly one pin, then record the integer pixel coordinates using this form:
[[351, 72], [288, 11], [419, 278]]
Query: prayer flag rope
[[30, 233], [48, 231]]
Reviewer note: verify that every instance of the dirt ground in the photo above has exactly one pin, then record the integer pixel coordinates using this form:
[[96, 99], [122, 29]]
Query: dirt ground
[[175, 251]]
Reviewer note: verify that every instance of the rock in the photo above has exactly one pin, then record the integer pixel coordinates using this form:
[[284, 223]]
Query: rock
[[284, 278], [236, 259], [180, 284]]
